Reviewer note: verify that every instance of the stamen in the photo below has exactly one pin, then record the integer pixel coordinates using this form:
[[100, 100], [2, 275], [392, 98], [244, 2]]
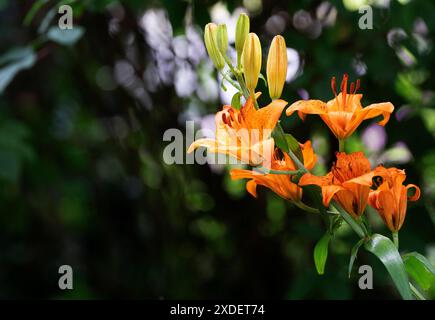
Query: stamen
[[344, 88], [233, 118], [334, 86], [224, 118], [352, 87], [357, 85]]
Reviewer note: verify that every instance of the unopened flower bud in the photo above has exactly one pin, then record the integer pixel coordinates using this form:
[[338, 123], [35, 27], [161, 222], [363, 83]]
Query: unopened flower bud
[[276, 69], [210, 33], [242, 31], [251, 60], [222, 39]]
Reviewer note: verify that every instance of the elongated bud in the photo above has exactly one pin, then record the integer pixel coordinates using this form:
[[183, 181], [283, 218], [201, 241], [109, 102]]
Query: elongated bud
[[276, 69], [242, 31], [251, 60], [222, 39], [210, 33]]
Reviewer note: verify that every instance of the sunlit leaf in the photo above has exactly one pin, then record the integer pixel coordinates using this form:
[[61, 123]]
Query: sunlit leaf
[[420, 269], [386, 251]]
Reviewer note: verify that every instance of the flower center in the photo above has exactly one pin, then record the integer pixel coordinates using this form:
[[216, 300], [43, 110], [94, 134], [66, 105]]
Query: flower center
[[231, 119], [345, 97]]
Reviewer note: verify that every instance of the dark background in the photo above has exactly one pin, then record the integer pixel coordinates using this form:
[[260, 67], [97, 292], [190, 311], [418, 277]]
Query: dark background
[[82, 177]]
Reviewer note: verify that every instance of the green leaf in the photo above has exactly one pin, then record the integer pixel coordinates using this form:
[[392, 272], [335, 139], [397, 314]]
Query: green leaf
[[386, 251], [235, 101], [294, 146], [14, 61], [420, 269], [264, 79], [280, 138], [66, 37], [353, 254], [321, 253], [287, 142], [33, 11]]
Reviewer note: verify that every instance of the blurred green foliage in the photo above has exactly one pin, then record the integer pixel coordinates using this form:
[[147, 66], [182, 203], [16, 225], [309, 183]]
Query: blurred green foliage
[[83, 182]]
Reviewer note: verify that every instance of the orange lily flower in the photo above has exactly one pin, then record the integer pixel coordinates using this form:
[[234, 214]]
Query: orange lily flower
[[344, 183], [390, 196], [244, 134], [281, 184], [344, 113]]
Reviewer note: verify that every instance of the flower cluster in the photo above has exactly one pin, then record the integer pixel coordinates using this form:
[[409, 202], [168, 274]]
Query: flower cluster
[[254, 136], [246, 134]]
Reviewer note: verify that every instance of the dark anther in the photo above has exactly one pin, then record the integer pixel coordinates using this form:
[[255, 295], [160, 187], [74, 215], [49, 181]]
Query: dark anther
[[376, 182]]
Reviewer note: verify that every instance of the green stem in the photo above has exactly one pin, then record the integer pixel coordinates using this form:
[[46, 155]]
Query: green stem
[[231, 81], [238, 76], [396, 239], [341, 145], [357, 227], [304, 207], [296, 160]]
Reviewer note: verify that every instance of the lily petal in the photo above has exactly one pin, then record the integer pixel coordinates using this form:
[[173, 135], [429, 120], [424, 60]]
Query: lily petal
[[308, 179], [417, 193], [308, 154], [307, 107], [328, 192], [210, 144], [364, 180], [267, 117], [251, 187], [384, 108]]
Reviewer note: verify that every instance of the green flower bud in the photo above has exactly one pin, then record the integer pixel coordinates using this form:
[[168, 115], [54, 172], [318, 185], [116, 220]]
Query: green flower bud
[[210, 33], [242, 31], [222, 39]]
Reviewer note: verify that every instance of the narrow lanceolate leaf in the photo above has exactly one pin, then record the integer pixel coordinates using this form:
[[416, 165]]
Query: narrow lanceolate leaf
[[321, 253], [280, 140], [420, 269], [294, 146], [235, 101], [386, 251], [263, 78], [354, 253]]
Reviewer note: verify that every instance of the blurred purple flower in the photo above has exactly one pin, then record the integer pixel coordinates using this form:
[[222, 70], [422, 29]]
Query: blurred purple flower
[[403, 113], [303, 94], [374, 138]]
